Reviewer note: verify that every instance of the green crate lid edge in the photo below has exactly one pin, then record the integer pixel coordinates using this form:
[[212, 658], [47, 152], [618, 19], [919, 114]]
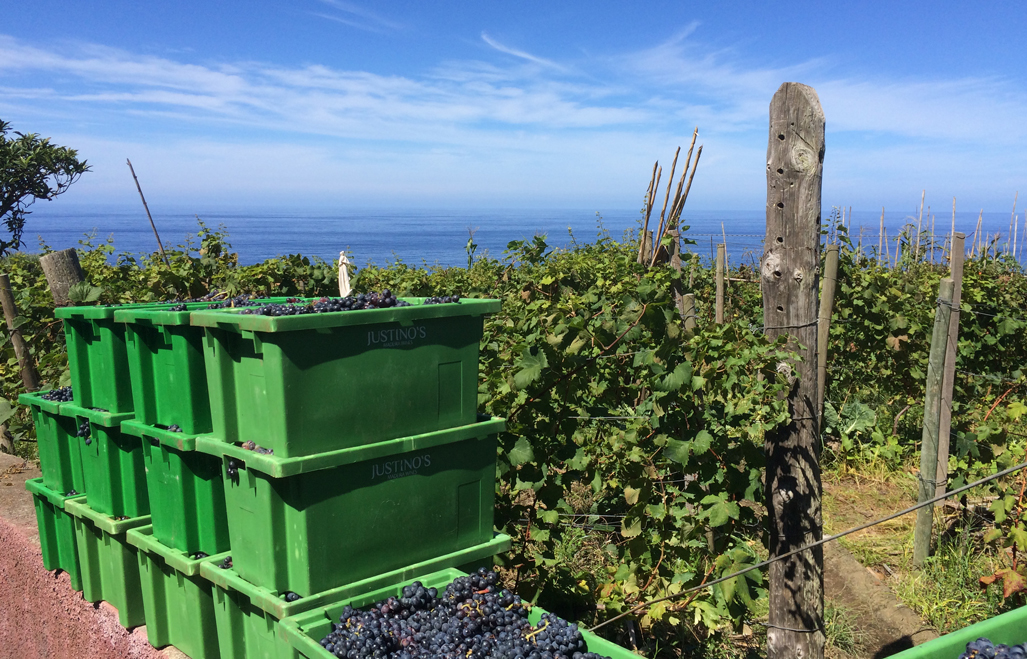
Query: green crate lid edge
[[163, 316], [232, 320], [291, 628], [103, 522], [270, 602], [177, 440], [954, 643], [142, 538], [277, 467], [101, 312], [105, 419], [35, 398], [37, 488]]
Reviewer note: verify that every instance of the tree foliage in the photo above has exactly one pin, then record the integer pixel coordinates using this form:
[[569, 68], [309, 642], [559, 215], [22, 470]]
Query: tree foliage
[[31, 168]]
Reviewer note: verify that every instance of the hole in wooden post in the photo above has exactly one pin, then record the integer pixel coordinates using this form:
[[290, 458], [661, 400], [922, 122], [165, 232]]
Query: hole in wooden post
[[777, 273], [781, 136], [780, 170], [780, 239], [780, 204], [780, 308]]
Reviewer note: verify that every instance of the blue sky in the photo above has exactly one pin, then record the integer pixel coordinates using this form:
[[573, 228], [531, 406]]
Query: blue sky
[[349, 104]]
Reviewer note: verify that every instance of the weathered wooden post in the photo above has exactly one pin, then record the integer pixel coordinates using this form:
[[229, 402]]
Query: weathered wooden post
[[62, 271], [932, 417], [719, 318], [949, 376], [689, 303], [795, 158], [824, 321], [29, 376]]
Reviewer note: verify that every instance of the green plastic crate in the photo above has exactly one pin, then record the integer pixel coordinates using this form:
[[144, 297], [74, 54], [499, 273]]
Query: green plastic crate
[[97, 357], [56, 530], [1009, 628], [177, 602], [304, 631], [112, 463], [309, 524], [248, 616], [60, 455], [165, 358], [109, 567], [303, 385], [186, 492]]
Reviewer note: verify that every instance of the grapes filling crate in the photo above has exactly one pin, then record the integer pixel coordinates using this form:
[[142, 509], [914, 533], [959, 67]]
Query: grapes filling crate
[[306, 384], [112, 463], [108, 563], [60, 450], [165, 360], [185, 490], [56, 530], [178, 604], [248, 617], [312, 631], [313, 523]]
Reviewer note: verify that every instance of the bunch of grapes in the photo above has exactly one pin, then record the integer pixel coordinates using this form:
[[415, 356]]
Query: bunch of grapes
[[473, 619], [60, 394], [226, 564], [84, 432], [982, 648], [382, 300], [445, 299], [232, 469]]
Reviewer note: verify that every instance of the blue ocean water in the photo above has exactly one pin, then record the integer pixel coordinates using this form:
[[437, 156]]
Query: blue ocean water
[[427, 236]]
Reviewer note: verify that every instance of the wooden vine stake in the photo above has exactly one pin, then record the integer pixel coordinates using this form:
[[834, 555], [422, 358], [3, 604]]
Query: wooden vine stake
[[719, 313], [824, 321], [795, 160], [932, 418], [949, 375]]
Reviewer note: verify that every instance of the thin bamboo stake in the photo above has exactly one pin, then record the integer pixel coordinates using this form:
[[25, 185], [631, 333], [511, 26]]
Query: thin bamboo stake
[[951, 235], [666, 195], [977, 235], [919, 224], [1011, 216], [654, 183], [887, 247], [1016, 230], [932, 238], [152, 225], [880, 238], [679, 207]]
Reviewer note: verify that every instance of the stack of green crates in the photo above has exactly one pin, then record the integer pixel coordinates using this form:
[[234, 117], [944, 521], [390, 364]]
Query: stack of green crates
[[93, 488], [351, 455]]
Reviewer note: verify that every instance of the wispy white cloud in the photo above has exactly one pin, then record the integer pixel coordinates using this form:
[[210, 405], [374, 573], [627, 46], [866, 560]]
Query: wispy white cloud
[[525, 120], [353, 15], [520, 53]]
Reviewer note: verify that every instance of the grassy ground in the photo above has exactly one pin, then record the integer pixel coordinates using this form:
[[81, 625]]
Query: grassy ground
[[945, 591]]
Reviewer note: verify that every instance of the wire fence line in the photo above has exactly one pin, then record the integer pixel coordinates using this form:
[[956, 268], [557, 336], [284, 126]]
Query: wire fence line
[[812, 545]]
